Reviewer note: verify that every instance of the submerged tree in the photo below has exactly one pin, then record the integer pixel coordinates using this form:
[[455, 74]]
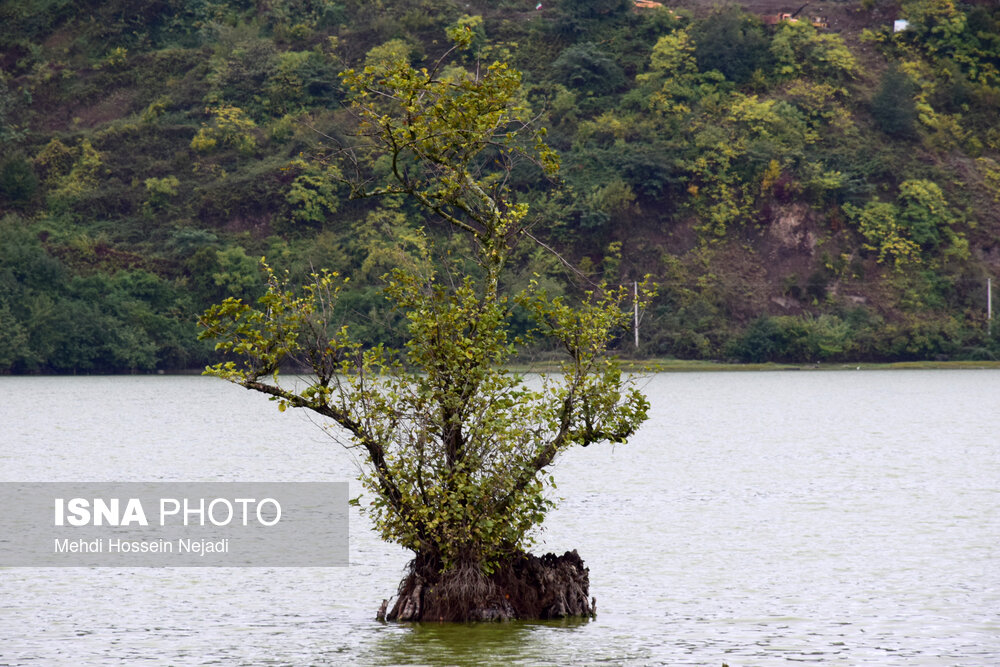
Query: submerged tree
[[454, 447]]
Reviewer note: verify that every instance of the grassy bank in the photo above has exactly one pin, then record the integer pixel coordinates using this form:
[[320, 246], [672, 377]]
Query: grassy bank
[[686, 366]]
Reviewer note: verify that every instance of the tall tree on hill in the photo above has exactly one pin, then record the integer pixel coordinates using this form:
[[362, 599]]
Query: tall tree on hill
[[732, 42], [893, 106]]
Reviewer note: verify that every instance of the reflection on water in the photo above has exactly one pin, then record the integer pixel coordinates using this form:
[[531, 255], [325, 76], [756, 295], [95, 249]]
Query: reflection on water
[[762, 518], [472, 643]]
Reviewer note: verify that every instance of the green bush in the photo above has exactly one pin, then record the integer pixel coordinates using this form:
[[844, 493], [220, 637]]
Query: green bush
[[764, 340], [793, 339], [797, 48], [924, 212]]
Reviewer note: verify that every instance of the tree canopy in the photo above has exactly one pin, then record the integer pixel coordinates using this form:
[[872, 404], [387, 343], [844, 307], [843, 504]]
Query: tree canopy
[[454, 445]]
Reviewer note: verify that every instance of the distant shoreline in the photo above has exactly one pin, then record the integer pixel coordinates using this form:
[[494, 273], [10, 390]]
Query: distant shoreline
[[649, 366], [694, 366], [681, 366]]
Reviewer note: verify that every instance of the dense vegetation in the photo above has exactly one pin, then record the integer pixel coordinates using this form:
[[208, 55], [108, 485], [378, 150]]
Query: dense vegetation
[[798, 192]]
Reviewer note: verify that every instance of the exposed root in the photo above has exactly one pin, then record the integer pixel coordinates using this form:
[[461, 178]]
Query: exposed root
[[525, 587]]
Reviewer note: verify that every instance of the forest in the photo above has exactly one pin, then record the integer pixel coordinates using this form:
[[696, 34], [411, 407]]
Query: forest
[[803, 183]]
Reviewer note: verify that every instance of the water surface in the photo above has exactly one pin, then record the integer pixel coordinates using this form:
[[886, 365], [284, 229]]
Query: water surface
[[758, 519]]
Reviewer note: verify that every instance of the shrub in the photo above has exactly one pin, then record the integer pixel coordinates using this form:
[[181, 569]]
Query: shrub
[[879, 225], [764, 340], [924, 212], [313, 193], [159, 191], [798, 49], [231, 127]]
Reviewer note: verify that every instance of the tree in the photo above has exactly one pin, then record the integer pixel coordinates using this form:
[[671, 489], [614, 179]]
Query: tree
[[18, 182], [732, 42], [893, 105], [936, 25], [575, 17], [585, 68], [798, 49], [879, 225], [924, 212], [454, 446]]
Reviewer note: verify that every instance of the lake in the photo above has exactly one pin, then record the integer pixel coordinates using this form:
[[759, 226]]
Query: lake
[[763, 518]]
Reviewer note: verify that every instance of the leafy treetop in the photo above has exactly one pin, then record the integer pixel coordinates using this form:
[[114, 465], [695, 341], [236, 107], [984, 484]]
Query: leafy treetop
[[454, 446]]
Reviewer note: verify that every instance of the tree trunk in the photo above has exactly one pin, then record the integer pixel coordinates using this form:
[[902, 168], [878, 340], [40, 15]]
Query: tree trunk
[[525, 587]]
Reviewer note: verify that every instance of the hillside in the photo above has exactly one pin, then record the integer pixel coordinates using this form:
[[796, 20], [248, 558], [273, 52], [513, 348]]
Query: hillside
[[819, 189]]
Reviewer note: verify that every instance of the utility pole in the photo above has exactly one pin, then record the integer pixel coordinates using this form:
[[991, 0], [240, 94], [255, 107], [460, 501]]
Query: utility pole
[[635, 307]]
